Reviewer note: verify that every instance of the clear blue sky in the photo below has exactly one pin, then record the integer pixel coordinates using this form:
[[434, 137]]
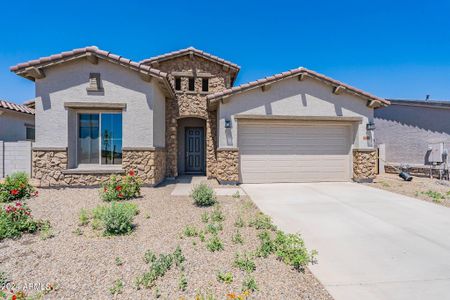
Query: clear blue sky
[[394, 49]]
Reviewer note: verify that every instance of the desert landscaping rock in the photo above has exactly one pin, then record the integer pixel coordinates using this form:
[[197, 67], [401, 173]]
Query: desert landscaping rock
[[83, 266]]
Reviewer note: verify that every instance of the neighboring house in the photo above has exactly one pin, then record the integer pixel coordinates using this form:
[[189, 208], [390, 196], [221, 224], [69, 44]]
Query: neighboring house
[[98, 113], [16, 122], [409, 127]]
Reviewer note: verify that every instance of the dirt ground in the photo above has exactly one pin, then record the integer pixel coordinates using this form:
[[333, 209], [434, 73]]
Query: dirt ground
[[432, 190], [83, 266]]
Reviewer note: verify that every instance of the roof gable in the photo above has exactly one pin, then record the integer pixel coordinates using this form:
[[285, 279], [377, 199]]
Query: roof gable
[[302, 73], [35, 69], [191, 51]]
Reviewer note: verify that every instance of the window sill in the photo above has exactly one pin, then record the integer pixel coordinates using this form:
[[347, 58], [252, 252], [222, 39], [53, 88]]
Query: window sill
[[95, 170]]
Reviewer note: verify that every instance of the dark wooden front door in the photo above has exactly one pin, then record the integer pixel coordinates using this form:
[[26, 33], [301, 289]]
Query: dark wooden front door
[[195, 150]]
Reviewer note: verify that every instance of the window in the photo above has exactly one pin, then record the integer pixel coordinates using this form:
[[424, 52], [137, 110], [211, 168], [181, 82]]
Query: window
[[205, 84], [100, 138], [30, 133], [178, 83], [191, 83]]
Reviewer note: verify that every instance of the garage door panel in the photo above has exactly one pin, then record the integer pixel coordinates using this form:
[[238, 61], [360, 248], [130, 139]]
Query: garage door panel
[[294, 152]]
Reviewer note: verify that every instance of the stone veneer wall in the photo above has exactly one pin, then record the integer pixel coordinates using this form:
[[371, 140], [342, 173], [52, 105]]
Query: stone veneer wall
[[149, 164], [364, 164], [49, 168], [228, 165], [192, 104], [415, 170]]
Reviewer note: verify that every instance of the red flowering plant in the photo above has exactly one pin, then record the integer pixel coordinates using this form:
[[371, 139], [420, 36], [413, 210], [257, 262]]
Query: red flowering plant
[[121, 187], [16, 187], [16, 219]]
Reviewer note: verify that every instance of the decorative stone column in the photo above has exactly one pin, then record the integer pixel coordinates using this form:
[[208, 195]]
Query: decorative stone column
[[228, 165], [211, 142], [364, 164]]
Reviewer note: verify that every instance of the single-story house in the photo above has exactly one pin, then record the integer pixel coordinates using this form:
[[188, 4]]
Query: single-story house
[[409, 128], [98, 113], [16, 122]]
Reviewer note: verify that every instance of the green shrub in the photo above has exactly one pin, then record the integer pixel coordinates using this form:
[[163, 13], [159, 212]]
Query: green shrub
[[244, 262], [83, 217], [267, 246], [214, 228], [182, 282], [158, 267], [121, 187], [225, 277], [239, 222], [118, 261], [205, 217], [203, 195], [149, 256], [114, 219], [249, 284], [262, 221], [290, 248], [435, 196], [117, 287], [217, 214], [46, 231], [16, 187], [16, 219], [214, 244], [237, 238], [190, 231]]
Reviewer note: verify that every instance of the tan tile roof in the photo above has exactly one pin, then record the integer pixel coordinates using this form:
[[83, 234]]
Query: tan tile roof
[[194, 51], [16, 107], [21, 69], [291, 73]]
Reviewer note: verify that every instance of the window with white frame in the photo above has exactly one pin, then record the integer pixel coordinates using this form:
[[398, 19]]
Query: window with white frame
[[100, 138]]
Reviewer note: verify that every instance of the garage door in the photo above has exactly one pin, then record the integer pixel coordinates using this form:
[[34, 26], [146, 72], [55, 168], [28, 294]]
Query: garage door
[[294, 152]]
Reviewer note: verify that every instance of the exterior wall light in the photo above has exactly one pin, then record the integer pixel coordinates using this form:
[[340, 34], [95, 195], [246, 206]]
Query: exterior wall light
[[370, 126], [227, 123]]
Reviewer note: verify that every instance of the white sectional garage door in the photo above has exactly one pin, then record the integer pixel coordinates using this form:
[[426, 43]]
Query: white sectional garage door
[[293, 152]]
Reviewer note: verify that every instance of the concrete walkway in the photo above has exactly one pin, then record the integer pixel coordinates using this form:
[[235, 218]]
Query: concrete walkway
[[372, 244], [186, 183]]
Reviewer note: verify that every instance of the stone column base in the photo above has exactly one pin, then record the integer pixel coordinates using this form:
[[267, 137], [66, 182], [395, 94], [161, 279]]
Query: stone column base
[[149, 164], [227, 171], [364, 165]]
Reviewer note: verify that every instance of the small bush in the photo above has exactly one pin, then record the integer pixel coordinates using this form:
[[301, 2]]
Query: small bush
[[217, 215], [249, 284], [114, 219], [117, 287], [202, 237], [225, 277], [267, 246], [237, 238], [46, 231], [149, 256], [290, 248], [205, 217], [83, 217], [158, 267], [435, 196], [121, 188], [214, 228], [182, 282], [262, 221], [214, 244], [16, 187], [203, 195], [118, 261], [15, 220], [239, 222], [244, 262], [190, 231]]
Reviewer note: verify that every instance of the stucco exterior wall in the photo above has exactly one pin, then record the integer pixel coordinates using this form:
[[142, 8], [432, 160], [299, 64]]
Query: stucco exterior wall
[[56, 125], [12, 125], [294, 98], [408, 130]]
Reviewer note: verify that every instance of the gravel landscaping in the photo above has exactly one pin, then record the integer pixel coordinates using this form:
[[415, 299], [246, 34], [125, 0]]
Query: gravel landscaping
[[432, 190], [83, 263]]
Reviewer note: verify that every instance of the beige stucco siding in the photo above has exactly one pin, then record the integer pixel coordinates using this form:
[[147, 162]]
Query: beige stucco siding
[[12, 125], [292, 97], [56, 125]]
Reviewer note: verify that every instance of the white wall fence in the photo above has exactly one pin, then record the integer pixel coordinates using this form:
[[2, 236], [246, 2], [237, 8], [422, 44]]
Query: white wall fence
[[15, 157]]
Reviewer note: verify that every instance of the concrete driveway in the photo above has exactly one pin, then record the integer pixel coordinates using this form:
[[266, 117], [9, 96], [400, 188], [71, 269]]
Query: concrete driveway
[[372, 244]]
